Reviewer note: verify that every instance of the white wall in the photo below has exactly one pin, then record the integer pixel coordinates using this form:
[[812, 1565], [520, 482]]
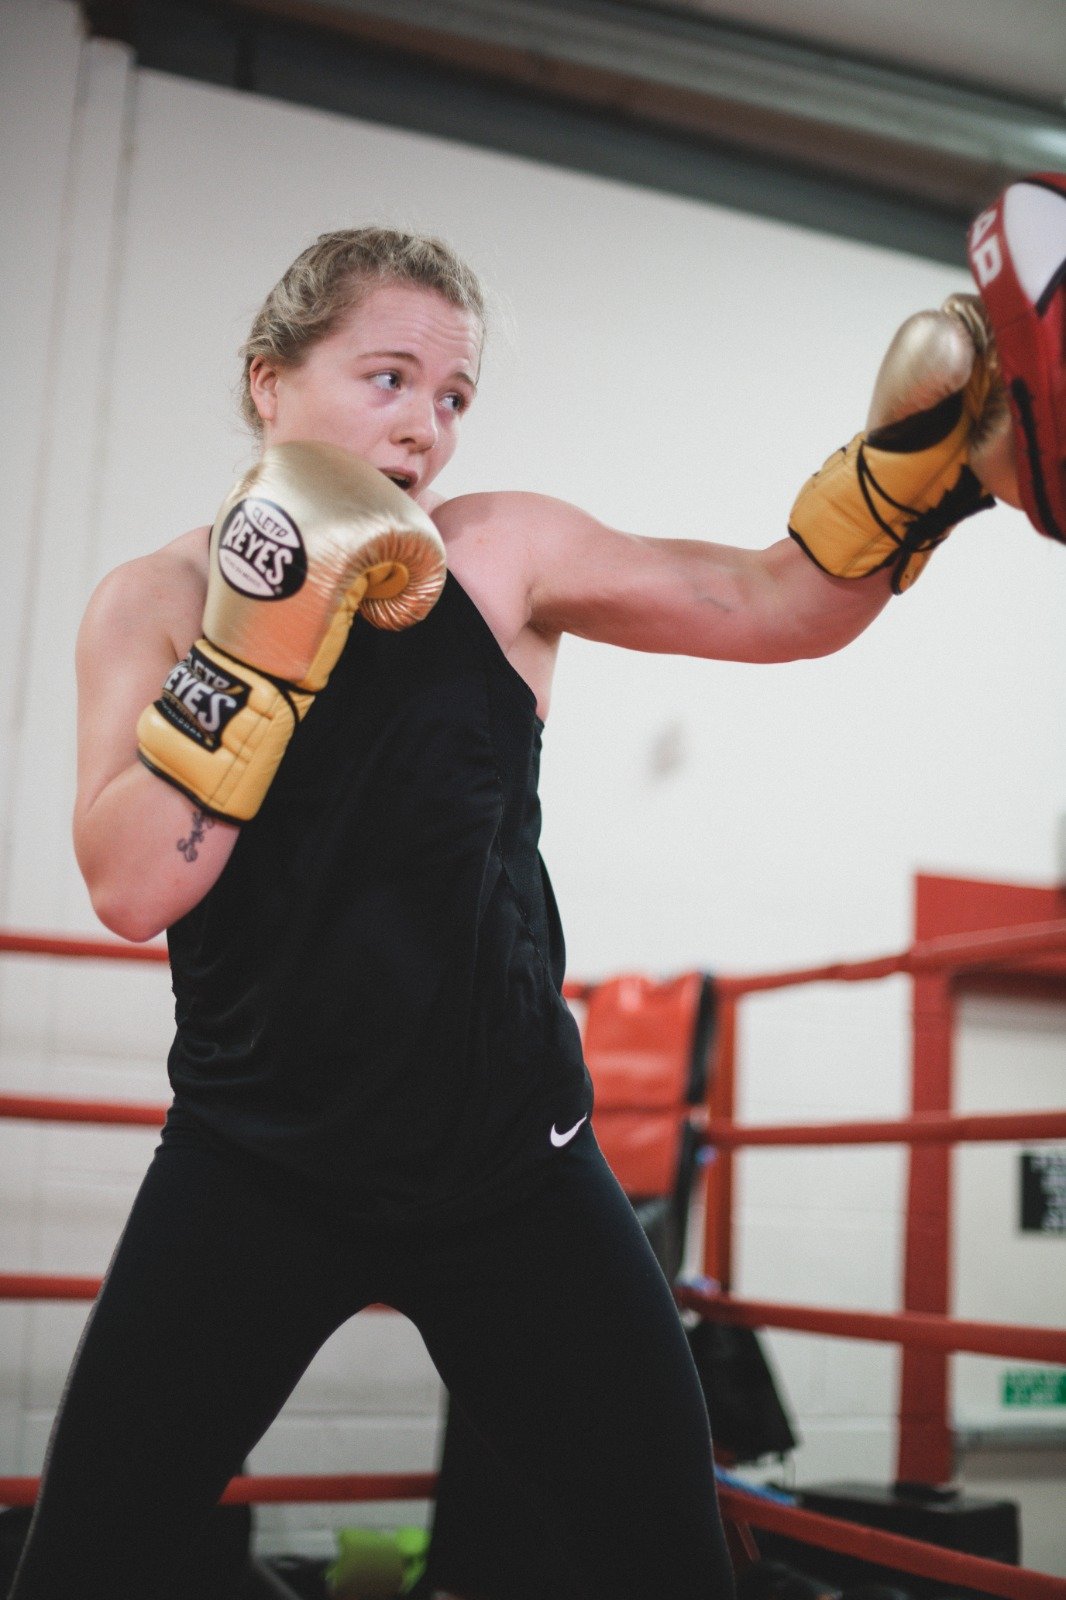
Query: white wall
[[674, 368]]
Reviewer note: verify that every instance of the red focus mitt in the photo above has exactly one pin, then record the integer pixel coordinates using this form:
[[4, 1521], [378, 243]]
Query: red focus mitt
[[1017, 252]]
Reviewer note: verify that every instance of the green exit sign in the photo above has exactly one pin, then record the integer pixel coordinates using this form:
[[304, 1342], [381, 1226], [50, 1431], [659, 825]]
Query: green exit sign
[[1041, 1388]]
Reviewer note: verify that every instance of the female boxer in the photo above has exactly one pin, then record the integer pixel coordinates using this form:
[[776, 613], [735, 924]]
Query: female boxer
[[379, 1093]]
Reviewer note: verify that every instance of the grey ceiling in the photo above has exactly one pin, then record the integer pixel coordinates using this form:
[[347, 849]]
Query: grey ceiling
[[1015, 46], [914, 98], [887, 120]]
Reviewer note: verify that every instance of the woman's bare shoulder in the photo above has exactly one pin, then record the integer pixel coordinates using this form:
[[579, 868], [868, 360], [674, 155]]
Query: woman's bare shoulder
[[160, 593]]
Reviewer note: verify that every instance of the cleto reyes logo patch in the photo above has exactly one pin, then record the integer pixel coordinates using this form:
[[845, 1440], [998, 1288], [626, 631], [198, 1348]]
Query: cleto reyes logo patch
[[199, 698], [260, 552]]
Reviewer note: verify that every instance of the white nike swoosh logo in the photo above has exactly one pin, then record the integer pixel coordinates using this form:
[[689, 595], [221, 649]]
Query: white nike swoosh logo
[[559, 1139]]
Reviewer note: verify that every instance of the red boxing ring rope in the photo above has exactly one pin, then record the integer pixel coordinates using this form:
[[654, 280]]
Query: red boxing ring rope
[[47, 1286], [929, 955], [44, 944], [892, 1549], [925, 1128], [44, 1108], [285, 1488], [968, 952], [972, 1129], [888, 1327]]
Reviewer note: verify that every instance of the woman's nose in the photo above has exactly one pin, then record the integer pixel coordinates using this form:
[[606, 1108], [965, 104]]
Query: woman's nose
[[418, 422]]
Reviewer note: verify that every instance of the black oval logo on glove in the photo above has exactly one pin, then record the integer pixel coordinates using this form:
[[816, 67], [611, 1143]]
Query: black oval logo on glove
[[260, 552]]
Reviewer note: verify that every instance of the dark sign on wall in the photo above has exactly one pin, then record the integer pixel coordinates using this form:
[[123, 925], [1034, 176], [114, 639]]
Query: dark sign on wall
[[1043, 1191]]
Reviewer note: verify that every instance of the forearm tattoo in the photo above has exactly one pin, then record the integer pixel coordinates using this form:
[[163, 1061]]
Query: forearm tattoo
[[200, 823]]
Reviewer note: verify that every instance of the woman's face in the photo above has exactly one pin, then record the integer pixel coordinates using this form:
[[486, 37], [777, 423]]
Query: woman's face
[[390, 383]]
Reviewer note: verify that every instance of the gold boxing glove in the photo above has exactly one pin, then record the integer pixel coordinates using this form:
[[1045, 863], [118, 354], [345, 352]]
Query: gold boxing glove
[[308, 537], [992, 441], [895, 492]]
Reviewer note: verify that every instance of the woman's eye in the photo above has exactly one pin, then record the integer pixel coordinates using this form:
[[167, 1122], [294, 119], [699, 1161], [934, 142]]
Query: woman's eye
[[456, 402], [386, 380]]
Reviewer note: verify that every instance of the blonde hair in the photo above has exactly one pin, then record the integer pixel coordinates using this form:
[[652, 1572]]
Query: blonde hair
[[332, 277]]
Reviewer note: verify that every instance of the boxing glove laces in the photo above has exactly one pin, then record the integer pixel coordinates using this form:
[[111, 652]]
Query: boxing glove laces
[[894, 493]]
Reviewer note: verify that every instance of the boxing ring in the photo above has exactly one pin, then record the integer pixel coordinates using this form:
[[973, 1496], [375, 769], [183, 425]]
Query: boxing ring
[[954, 954]]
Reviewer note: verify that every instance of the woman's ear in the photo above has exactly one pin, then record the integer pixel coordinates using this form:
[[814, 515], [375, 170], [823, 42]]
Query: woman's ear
[[263, 387]]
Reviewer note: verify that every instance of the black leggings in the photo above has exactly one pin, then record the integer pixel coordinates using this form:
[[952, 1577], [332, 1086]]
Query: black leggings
[[549, 1322]]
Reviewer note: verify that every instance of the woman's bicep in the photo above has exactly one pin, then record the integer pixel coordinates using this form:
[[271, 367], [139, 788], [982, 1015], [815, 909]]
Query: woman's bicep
[[146, 851], [124, 652], [694, 597]]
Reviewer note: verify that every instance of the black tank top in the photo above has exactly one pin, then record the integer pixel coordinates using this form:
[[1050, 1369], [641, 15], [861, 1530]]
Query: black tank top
[[370, 995]]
